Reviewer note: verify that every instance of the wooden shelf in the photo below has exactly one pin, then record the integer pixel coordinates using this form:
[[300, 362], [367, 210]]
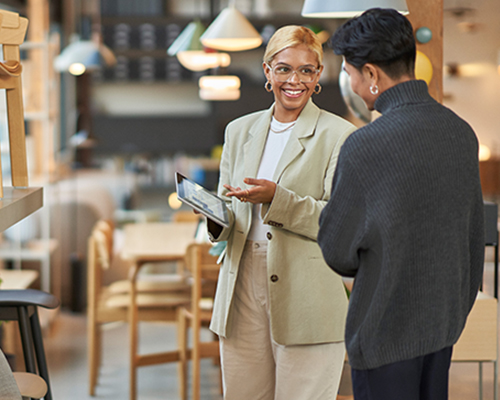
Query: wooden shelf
[[18, 204]]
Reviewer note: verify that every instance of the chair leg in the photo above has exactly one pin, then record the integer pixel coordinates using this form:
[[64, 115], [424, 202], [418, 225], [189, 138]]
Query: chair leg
[[195, 358], [19, 165], [134, 338], [98, 351], [40, 352], [221, 381], [182, 345], [495, 379], [26, 339], [93, 354]]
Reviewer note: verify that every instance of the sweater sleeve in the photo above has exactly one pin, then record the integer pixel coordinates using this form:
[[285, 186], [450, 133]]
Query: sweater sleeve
[[300, 214], [342, 221]]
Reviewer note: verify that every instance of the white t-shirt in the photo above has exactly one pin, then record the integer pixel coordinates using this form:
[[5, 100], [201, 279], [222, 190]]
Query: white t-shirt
[[278, 136]]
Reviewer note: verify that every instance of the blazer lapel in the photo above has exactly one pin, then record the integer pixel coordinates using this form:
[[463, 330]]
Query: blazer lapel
[[306, 124], [254, 147]]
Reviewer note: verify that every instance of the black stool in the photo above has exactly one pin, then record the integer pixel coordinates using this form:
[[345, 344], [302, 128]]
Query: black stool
[[21, 306]]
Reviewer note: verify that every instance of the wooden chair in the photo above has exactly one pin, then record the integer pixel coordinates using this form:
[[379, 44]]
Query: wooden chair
[[154, 301], [204, 270], [12, 32], [22, 305]]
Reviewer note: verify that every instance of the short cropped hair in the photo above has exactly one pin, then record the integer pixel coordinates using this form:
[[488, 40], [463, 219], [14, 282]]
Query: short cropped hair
[[380, 36], [291, 36]]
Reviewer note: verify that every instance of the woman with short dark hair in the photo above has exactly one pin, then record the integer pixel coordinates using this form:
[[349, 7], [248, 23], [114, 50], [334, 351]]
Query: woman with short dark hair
[[405, 218]]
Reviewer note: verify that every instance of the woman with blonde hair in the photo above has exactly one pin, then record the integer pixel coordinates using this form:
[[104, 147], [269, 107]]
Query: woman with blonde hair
[[279, 310]]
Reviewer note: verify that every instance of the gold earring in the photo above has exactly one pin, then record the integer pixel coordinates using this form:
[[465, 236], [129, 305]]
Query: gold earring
[[318, 88], [268, 86]]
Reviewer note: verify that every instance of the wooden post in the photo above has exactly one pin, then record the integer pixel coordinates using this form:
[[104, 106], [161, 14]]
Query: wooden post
[[429, 13], [37, 101]]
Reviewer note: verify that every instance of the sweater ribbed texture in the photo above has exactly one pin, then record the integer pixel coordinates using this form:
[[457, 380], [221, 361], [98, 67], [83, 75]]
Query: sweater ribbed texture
[[406, 218]]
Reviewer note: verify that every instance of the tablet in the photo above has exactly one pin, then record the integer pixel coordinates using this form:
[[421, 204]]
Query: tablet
[[201, 199]]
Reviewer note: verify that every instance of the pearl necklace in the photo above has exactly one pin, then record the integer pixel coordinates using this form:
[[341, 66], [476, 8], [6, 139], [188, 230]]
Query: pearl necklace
[[282, 130]]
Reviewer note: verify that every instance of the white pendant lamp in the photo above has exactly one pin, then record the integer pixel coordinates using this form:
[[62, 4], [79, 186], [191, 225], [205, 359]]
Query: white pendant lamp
[[231, 31], [188, 39], [78, 57], [347, 8], [219, 87], [190, 53]]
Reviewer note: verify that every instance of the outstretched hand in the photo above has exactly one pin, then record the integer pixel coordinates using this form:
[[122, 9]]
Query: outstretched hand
[[262, 191]]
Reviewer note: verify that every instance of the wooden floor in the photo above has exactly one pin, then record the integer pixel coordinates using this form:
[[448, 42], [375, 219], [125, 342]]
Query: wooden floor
[[66, 353]]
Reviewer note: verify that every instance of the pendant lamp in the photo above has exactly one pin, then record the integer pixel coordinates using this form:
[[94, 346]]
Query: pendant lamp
[[231, 31], [347, 8], [190, 52], [83, 55], [219, 87], [202, 60], [188, 39]]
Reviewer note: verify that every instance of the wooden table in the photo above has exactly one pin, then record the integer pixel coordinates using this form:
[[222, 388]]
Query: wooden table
[[143, 243], [17, 279], [158, 241]]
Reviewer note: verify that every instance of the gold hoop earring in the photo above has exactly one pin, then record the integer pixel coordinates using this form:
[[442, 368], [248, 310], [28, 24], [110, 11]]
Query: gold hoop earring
[[318, 88], [268, 86], [374, 90]]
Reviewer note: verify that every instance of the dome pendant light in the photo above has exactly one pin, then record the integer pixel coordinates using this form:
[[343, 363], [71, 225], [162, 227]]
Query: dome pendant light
[[231, 31], [190, 53]]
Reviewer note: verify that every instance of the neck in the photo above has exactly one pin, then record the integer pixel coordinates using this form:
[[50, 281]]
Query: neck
[[389, 83], [283, 115]]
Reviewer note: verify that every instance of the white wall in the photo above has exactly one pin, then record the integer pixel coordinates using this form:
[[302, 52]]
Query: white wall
[[475, 98]]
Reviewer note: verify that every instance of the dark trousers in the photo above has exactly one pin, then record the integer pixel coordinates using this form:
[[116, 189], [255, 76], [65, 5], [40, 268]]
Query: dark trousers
[[421, 378]]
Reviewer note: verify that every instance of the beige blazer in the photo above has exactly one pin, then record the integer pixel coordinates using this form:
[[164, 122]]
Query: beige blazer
[[308, 303]]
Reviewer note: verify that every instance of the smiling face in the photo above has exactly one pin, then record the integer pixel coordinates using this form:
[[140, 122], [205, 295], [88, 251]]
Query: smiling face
[[292, 96]]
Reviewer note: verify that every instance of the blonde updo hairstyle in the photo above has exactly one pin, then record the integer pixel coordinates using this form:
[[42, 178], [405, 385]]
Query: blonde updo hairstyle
[[291, 36]]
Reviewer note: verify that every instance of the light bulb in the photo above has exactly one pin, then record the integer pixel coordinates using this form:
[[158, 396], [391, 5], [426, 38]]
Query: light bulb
[[76, 69]]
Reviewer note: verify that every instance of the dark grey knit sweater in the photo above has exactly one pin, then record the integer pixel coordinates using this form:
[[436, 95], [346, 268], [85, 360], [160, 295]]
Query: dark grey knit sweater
[[406, 219]]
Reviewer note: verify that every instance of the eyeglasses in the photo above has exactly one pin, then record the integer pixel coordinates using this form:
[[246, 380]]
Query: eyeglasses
[[305, 73]]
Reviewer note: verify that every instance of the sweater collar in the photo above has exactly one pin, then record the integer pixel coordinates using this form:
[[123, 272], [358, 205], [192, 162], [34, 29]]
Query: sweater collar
[[409, 92]]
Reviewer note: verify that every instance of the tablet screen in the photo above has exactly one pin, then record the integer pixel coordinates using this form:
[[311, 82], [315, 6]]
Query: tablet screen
[[201, 199]]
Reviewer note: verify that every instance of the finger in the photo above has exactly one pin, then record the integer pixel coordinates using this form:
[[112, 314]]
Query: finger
[[239, 193], [230, 188], [255, 182]]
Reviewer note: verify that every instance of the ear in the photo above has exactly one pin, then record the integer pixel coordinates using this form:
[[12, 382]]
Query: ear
[[267, 71], [321, 68], [371, 72]]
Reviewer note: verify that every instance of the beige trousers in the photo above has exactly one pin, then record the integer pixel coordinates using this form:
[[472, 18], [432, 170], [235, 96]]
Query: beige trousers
[[254, 367]]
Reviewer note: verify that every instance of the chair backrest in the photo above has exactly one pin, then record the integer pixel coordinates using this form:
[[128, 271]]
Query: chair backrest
[[13, 28], [103, 234], [204, 269], [99, 257], [12, 32], [8, 385]]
